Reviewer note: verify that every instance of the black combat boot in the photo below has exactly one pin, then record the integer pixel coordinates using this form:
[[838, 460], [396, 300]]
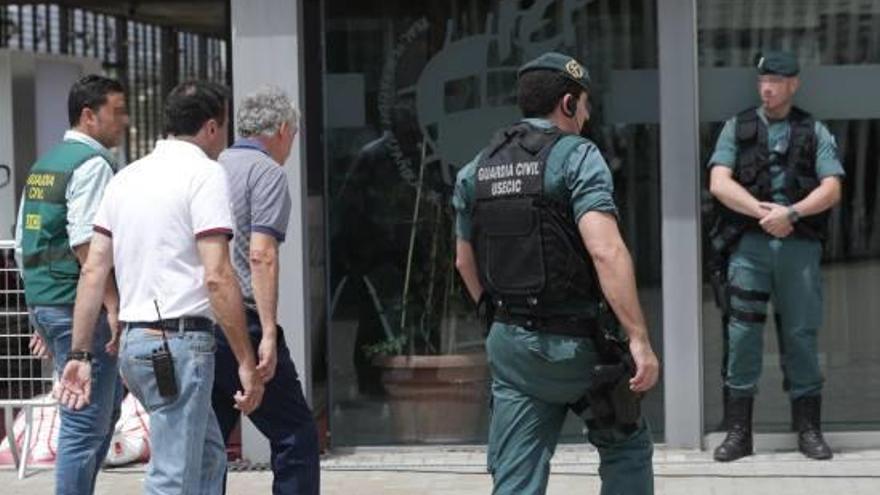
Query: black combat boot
[[806, 413], [738, 442]]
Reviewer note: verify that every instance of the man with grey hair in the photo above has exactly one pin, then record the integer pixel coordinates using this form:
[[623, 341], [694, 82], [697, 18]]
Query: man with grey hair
[[267, 124]]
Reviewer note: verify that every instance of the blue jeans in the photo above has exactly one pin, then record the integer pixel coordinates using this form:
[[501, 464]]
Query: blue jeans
[[187, 452], [85, 435], [283, 417]]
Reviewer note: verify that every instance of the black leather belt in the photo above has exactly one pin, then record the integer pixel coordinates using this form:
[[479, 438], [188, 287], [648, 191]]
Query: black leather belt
[[559, 325], [182, 324]]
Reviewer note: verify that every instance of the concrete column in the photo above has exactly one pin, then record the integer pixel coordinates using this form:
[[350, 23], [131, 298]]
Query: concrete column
[[266, 49], [681, 241]]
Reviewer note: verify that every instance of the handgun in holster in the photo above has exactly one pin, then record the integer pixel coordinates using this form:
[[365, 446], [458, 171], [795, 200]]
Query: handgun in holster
[[613, 404], [609, 402], [719, 282], [723, 238]]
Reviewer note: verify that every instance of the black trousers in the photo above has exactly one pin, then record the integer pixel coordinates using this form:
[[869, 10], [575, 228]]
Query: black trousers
[[284, 417]]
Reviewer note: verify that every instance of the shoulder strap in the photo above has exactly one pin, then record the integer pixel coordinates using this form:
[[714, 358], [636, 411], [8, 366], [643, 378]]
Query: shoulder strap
[[530, 138], [535, 140], [502, 137], [747, 125], [799, 114], [802, 122], [802, 145]]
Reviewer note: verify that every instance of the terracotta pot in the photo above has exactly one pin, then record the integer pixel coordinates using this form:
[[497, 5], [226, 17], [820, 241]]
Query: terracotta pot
[[437, 399]]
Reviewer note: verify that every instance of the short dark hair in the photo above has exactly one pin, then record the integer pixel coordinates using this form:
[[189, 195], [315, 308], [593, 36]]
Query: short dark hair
[[192, 103], [90, 92], [539, 91]]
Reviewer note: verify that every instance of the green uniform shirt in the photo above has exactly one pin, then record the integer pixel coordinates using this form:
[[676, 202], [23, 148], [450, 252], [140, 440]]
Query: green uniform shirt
[[778, 132], [583, 173]]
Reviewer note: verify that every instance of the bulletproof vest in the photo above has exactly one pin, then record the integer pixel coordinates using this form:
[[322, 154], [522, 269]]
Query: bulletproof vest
[[530, 255], [752, 171]]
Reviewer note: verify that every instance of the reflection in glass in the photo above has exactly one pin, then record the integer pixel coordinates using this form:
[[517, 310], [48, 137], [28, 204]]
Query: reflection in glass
[[412, 92]]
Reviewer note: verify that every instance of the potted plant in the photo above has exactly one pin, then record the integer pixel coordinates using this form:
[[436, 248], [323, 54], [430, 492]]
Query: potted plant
[[432, 359]]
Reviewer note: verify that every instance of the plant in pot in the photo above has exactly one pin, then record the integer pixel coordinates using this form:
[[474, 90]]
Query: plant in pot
[[432, 359]]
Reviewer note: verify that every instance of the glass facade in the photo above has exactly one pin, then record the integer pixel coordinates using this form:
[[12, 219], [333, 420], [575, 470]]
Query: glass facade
[[838, 46], [412, 91]]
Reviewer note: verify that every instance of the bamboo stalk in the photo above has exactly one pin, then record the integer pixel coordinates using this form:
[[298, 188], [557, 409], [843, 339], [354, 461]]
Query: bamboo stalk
[[449, 324], [409, 255], [432, 259]]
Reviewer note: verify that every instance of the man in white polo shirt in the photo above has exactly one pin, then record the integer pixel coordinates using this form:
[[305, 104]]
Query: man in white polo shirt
[[164, 225]]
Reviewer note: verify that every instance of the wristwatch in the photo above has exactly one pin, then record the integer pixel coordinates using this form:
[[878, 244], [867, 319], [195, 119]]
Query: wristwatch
[[793, 215], [84, 356]]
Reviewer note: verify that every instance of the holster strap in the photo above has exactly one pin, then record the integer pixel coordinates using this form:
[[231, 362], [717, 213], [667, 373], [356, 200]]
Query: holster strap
[[747, 316], [749, 295]]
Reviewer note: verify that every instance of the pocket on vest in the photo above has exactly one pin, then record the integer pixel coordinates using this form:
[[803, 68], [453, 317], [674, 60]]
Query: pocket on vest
[[513, 251]]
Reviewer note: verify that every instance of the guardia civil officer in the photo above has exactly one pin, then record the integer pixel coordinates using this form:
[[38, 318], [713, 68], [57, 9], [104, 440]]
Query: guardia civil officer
[[776, 173], [54, 234], [537, 235]]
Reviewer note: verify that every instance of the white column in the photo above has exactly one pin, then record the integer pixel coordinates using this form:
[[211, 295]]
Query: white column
[[266, 49], [681, 241]]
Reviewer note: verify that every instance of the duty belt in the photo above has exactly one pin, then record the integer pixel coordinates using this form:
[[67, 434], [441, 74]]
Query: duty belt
[[572, 326]]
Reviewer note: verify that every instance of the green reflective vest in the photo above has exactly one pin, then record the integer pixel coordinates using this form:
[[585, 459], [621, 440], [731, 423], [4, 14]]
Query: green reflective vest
[[50, 268]]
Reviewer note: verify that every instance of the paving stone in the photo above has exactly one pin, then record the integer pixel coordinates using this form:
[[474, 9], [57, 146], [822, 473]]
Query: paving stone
[[462, 471]]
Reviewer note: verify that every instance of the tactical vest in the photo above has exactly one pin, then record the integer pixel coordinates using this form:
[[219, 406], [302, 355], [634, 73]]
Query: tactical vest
[[530, 256], [752, 171], [50, 268]]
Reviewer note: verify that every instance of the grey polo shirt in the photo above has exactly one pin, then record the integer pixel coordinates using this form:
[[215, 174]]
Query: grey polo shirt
[[260, 203]]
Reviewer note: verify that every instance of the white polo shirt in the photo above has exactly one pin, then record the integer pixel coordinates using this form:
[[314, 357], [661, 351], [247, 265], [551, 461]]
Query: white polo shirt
[[155, 209]]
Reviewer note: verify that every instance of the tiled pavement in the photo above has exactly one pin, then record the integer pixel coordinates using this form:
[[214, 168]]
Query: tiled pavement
[[460, 471]]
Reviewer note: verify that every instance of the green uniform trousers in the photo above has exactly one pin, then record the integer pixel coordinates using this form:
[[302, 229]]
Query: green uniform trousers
[[534, 378], [787, 270]]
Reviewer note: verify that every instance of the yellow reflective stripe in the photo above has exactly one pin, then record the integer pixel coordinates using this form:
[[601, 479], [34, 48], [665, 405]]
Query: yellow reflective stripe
[[33, 221]]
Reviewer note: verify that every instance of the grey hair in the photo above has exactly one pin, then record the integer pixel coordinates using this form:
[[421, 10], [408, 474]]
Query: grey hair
[[263, 112]]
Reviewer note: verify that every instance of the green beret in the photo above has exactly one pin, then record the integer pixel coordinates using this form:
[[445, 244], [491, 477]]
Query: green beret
[[560, 63], [777, 63]]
